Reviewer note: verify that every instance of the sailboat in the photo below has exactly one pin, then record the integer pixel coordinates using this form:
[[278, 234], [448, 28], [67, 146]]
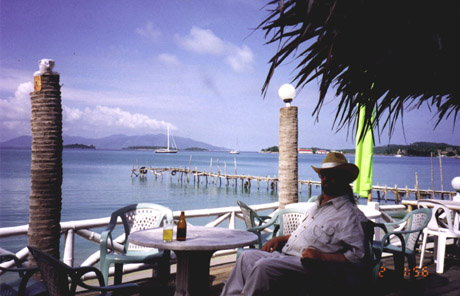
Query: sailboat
[[399, 153], [235, 151], [168, 149]]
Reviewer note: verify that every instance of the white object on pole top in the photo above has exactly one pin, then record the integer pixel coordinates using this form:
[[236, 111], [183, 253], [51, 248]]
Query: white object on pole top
[[456, 186], [46, 66], [287, 93]]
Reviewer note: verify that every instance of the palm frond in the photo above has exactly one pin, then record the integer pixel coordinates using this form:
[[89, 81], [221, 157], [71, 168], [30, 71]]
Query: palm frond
[[407, 49]]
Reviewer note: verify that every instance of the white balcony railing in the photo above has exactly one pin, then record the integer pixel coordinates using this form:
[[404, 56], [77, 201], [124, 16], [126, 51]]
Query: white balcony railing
[[85, 229]]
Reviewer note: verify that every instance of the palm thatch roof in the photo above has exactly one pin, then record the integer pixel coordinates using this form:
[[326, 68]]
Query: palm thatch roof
[[391, 55]]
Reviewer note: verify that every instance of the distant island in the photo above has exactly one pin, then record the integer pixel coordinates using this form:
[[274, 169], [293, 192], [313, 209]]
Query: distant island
[[313, 150], [143, 148], [414, 149], [196, 149], [272, 149], [79, 146]]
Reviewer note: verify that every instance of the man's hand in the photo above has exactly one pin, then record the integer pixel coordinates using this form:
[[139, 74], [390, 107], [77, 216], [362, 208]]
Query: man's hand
[[318, 255], [312, 254], [272, 244]]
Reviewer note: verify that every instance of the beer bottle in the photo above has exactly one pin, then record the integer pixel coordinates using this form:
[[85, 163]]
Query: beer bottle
[[181, 227]]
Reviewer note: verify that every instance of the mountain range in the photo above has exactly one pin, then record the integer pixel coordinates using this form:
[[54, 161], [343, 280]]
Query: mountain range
[[117, 142]]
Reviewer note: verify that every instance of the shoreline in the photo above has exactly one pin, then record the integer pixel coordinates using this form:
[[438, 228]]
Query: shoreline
[[225, 151]]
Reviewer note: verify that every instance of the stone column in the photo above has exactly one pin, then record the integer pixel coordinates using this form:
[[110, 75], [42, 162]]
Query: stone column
[[288, 189], [46, 166]]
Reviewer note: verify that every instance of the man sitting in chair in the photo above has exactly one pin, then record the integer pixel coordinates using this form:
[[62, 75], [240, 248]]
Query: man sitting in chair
[[326, 250]]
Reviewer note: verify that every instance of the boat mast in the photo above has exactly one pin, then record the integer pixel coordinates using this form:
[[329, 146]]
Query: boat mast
[[168, 137]]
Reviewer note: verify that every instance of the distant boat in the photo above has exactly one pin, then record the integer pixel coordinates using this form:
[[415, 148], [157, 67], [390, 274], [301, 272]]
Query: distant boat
[[399, 153], [235, 151], [168, 149]]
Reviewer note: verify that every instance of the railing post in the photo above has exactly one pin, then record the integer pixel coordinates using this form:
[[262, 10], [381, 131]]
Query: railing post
[[69, 247], [231, 224]]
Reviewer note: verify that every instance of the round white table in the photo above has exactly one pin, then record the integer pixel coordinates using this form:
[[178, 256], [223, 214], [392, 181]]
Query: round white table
[[194, 254]]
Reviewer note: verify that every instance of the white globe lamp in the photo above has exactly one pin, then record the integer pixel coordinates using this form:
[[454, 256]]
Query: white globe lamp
[[456, 186], [287, 93]]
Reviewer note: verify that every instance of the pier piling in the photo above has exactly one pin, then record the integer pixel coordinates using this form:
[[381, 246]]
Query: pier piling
[[382, 192]]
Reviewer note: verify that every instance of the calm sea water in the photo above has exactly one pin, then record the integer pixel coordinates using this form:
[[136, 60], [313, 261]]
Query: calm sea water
[[97, 182]]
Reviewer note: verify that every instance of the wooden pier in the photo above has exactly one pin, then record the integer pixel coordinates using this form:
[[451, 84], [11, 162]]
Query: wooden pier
[[209, 178], [380, 193]]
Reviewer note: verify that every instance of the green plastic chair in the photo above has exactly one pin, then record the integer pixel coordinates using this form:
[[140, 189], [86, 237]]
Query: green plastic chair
[[407, 238], [56, 275], [24, 284], [252, 219], [373, 254], [135, 217], [313, 198]]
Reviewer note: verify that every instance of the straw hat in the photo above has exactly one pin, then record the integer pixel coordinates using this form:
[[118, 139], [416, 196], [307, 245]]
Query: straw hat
[[337, 161]]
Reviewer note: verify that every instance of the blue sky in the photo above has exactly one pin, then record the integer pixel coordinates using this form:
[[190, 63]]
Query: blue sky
[[133, 67]]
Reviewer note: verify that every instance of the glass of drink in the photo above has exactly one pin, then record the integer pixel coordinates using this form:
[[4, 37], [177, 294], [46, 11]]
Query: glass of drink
[[167, 230]]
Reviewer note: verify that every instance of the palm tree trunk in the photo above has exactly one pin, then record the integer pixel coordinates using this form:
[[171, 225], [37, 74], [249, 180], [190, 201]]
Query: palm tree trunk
[[46, 167], [288, 157]]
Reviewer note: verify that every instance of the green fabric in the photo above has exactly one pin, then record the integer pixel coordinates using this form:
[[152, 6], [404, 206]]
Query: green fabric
[[363, 158]]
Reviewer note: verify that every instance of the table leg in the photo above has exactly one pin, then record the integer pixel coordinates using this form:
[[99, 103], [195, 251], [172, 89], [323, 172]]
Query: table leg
[[192, 275]]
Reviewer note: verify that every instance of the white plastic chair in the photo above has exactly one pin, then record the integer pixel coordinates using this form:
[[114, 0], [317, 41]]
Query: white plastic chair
[[440, 229], [135, 217], [285, 221]]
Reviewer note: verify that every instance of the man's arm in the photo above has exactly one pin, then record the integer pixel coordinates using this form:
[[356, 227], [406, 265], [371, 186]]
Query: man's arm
[[318, 255], [272, 244]]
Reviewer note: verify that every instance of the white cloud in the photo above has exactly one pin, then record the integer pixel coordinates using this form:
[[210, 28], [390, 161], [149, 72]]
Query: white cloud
[[148, 32], [11, 78], [240, 59], [15, 111], [101, 97], [168, 59], [163, 99], [201, 41], [102, 119], [15, 114], [204, 41]]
